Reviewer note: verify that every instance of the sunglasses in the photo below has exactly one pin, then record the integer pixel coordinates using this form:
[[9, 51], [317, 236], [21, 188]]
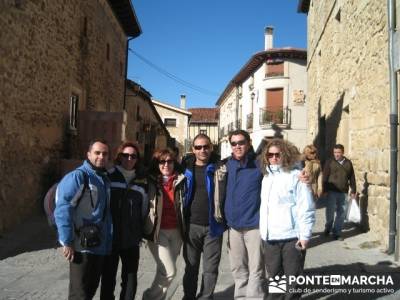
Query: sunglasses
[[271, 155], [240, 143], [163, 161], [199, 147], [127, 155]]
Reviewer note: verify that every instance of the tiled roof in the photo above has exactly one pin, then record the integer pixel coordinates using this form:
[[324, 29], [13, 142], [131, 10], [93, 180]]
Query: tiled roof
[[204, 115], [256, 60]]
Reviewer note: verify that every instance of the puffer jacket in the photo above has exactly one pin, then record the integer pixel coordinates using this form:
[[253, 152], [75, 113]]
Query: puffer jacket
[[287, 206], [153, 219], [243, 186], [93, 204], [217, 226], [129, 205]]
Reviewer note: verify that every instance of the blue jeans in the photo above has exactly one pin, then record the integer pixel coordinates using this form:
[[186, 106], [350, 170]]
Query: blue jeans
[[336, 201]]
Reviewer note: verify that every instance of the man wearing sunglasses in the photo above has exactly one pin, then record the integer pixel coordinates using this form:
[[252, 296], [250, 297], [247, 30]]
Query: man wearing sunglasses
[[242, 206], [204, 233]]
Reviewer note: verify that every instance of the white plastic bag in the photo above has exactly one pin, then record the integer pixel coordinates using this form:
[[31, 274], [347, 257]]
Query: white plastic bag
[[353, 212]]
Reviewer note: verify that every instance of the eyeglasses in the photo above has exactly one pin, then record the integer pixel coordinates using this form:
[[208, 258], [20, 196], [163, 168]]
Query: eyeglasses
[[276, 155], [199, 147], [240, 143], [163, 161], [127, 155]]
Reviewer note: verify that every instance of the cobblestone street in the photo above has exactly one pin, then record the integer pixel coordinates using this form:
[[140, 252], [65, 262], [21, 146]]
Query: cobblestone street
[[32, 269]]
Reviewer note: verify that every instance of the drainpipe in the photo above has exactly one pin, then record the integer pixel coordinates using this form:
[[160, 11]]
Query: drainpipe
[[126, 70], [393, 131]]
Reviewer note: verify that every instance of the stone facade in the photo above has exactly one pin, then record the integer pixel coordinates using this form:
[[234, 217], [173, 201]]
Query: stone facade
[[144, 124], [50, 51], [348, 94], [179, 130]]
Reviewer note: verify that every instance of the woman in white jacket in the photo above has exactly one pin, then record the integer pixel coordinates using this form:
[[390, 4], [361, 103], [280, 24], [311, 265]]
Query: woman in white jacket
[[287, 211]]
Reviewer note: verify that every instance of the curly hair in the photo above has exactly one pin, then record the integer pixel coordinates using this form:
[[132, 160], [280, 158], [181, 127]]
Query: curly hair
[[289, 154], [310, 153], [160, 155]]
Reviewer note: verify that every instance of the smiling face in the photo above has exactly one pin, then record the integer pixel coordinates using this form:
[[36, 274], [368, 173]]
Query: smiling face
[[98, 155], [274, 155], [128, 158], [240, 146], [166, 165], [202, 150]]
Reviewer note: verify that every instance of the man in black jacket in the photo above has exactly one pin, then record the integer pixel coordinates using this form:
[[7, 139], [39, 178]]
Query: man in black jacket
[[338, 177]]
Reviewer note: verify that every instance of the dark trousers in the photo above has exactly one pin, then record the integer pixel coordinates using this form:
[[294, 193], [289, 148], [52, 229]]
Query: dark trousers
[[283, 258], [198, 241], [84, 275], [130, 264]]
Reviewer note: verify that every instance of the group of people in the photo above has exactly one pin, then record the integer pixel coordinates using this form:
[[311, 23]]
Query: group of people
[[266, 204]]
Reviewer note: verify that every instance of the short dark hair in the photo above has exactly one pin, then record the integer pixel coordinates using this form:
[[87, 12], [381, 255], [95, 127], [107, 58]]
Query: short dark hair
[[339, 146], [201, 136], [97, 140], [239, 132]]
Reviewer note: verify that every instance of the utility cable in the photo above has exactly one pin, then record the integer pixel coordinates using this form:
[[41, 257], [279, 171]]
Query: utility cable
[[173, 77]]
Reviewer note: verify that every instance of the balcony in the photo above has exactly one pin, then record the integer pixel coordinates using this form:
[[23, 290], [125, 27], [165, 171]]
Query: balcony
[[279, 116], [249, 121]]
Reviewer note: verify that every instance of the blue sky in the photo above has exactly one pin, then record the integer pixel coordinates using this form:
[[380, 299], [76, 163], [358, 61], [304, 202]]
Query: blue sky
[[205, 43]]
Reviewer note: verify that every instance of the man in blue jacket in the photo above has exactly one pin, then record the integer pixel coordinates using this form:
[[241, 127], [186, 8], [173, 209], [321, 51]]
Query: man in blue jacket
[[82, 205], [204, 233], [242, 208]]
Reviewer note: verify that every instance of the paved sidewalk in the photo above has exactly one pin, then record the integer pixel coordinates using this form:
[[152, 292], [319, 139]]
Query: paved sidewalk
[[30, 267]]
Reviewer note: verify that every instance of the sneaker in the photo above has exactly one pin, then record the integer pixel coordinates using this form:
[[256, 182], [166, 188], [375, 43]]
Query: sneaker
[[338, 237]]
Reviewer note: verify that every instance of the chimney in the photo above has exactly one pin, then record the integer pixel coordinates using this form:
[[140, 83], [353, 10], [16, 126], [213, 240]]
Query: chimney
[[183, 102], [269, 37]]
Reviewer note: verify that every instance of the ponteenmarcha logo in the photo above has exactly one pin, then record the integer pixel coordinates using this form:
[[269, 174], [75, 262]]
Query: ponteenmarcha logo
[[277, 285]]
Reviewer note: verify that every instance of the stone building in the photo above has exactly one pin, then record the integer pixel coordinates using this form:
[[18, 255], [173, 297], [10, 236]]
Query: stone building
[[144, 124], [177, 122], [349, 96], [204, 120], [57, 58], [266, 97]]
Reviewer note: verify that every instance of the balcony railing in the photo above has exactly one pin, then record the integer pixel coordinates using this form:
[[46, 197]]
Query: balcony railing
[[275, 116], [249, 121]]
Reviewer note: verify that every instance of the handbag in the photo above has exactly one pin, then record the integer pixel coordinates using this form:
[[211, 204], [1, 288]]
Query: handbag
[[89, 234]]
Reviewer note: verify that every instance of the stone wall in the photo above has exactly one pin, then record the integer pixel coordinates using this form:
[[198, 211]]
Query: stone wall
[[50, 49], [348, 87]]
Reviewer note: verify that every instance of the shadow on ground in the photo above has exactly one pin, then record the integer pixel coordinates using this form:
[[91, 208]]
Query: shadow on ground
[[225, 294], [32, 235]]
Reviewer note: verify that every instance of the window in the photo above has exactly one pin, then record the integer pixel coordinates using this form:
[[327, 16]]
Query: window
[[274, 101], [108, 51], [73, 111], [85, 26], [170, 122], [138, 113], [275, 69]]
